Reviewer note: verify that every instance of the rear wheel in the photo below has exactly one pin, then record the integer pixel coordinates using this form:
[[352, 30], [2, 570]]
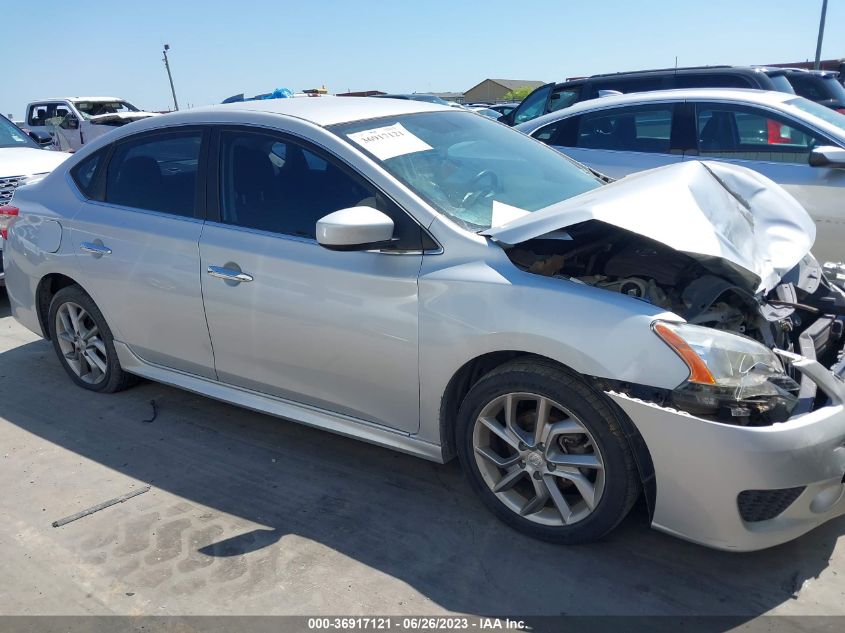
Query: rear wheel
[[84, 343], [546, 453]]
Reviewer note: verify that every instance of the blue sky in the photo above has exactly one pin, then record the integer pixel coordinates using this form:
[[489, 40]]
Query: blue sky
[[223, 48]]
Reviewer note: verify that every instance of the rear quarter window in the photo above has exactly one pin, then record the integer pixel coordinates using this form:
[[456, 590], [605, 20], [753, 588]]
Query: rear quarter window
[[86, 172]]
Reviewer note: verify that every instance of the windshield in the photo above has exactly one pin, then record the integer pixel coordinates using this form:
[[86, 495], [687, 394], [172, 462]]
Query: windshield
[[12, 136], [477, 172], [782, 83], [89, 109], [817, 110]]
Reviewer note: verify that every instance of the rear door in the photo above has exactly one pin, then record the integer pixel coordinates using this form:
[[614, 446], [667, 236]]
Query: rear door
[[778, 147], [137, 242], [617, 141]]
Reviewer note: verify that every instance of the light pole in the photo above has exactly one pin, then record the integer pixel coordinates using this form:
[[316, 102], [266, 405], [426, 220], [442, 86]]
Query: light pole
[[170, 77], [821, 35]]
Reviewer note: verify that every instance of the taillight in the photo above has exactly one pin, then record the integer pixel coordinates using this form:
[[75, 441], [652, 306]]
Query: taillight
[[7, 214], [840, 110]]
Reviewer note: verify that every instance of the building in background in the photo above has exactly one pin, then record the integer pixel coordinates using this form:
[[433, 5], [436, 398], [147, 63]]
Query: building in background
[[496, 89]]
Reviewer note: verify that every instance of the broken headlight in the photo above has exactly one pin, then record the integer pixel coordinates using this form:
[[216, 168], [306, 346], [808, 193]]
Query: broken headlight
[[731, 376]]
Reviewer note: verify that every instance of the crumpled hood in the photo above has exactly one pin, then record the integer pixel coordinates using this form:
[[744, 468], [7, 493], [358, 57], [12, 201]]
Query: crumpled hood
[[717, 213], [121, 116]]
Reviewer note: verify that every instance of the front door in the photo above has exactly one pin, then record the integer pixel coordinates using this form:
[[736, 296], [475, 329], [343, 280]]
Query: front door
[[138, 247], [334, 330]]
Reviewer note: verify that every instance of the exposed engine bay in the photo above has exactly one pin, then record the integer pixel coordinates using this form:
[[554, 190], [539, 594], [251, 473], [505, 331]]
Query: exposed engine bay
[[803, 314]]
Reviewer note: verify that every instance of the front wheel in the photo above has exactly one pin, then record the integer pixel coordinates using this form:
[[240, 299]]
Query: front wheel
[[83, 342], [546, 453]]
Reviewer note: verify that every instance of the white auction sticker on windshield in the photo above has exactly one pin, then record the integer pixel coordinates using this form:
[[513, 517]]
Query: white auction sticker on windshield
[[389, 141]]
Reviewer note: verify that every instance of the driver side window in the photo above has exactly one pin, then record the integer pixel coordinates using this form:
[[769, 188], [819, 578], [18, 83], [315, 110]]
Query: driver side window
[[270, 183]]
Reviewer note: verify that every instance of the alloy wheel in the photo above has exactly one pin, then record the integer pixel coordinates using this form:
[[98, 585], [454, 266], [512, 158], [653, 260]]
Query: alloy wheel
[[81, 345], [538, 459]]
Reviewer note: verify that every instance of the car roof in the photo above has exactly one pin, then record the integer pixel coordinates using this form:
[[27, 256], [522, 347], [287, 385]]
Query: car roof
[[325, 111], [686, 70], [746, 95]]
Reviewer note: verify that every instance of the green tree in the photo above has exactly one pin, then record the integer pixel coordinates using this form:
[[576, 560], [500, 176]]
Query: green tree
[[518, 94]]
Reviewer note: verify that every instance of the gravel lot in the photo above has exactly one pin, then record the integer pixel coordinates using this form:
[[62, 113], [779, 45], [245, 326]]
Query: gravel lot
[[248, 514]]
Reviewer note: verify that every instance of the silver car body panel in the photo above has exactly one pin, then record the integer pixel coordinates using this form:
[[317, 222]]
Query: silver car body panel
[[708, 210], [820, 190], [470, 301]]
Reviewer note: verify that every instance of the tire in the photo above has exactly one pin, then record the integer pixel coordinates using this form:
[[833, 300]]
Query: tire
[[90, 362], [581, 452]]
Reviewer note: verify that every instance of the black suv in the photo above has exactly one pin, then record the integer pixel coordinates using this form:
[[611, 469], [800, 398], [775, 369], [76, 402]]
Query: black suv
[[821, 86], [552, 97]]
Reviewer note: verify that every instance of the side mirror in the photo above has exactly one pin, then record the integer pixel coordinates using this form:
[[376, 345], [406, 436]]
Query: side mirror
[[42, 138], [355, 229], [70, 123], [827, 156]]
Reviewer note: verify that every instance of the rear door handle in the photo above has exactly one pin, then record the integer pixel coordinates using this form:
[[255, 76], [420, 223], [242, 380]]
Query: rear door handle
[[94, 248], [227, 274]]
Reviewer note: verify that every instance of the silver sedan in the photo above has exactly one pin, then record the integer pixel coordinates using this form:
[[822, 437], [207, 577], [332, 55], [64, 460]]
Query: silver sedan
[[428, 280], [797, 143]]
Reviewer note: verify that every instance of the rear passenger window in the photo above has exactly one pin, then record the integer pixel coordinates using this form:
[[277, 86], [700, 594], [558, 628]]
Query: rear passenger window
[[156, 173], [272, 184], [563, 133], [641, 129]]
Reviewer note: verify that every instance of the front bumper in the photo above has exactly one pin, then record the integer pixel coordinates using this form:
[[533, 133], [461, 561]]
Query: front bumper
[[702, 468]]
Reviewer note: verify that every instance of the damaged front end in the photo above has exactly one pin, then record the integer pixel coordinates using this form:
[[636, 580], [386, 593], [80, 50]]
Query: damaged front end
[[725, 250], [730, 331]]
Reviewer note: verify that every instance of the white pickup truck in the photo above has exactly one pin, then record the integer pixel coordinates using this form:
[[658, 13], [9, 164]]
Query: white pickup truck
[[73, 121]]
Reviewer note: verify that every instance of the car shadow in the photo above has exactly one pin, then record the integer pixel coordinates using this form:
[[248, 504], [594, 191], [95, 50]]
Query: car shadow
[[415, 521]]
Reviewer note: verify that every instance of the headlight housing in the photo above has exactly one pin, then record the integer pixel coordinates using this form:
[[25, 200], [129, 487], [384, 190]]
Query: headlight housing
[[730, 375]]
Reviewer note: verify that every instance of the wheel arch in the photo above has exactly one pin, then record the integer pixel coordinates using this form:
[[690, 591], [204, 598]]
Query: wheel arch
[[47, 288], [473, 370]]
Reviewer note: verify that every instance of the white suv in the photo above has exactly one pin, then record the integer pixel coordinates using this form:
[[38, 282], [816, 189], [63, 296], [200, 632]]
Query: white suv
[[21, 161]]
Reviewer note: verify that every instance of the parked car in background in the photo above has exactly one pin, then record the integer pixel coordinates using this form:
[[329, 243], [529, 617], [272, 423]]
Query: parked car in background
[[431, 281], [504, 108], [490, 113], [821, 86], [554, 97], [74, 121], [795, 142], [416, 96], [22, 161]]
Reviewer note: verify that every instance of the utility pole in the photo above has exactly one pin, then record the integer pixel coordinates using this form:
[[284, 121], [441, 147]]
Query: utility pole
[[821, 35], [170, 77]]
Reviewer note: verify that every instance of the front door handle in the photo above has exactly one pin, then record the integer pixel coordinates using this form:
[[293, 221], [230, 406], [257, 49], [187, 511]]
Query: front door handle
[[94, 248], [227, 274]]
